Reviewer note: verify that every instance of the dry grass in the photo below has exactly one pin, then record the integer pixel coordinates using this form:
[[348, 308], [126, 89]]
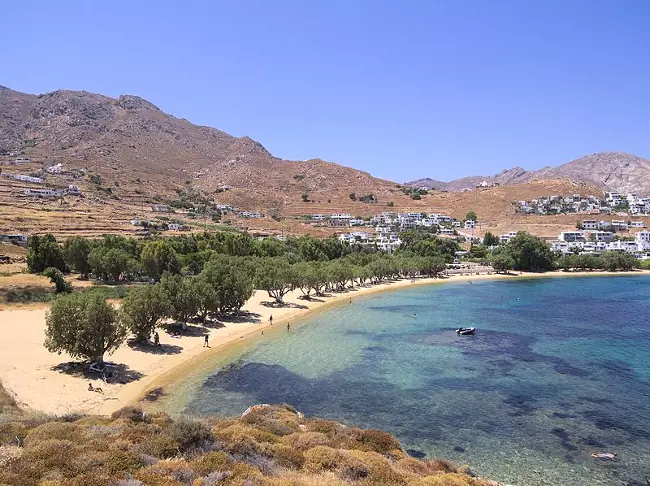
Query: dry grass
[[272, 446]]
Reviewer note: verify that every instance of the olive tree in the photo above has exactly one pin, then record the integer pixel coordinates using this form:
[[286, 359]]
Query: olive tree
[[84, 326], [275, 275], [142, 309]]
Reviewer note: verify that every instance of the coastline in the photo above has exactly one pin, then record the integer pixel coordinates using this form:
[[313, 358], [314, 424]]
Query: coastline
[[173, 376], [38, 382]]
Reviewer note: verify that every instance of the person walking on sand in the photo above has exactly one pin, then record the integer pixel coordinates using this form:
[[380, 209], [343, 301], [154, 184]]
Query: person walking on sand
[[271, 319], [156, 339], [205, 340], [288, 327]]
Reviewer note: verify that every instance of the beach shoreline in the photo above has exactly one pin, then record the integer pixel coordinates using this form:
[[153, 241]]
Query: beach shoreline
[[38, 382]]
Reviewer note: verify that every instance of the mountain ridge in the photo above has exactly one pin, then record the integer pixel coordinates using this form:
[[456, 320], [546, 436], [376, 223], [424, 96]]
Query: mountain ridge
[[615, 171]]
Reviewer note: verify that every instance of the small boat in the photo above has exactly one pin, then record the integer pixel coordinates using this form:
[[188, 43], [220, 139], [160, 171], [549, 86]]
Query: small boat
[[466, 331]]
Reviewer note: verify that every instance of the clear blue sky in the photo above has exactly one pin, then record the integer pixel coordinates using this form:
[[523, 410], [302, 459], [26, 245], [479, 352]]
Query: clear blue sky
[[403, 89]]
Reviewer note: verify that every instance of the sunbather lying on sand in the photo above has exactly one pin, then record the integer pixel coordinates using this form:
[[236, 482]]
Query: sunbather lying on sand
[[95, 389], [604, 455]]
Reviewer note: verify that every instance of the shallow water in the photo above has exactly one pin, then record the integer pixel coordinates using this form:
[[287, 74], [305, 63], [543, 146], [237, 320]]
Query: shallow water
[[558, 369]]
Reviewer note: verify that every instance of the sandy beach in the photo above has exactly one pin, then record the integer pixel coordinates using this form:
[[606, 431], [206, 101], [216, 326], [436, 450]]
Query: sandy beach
[[43, 381]]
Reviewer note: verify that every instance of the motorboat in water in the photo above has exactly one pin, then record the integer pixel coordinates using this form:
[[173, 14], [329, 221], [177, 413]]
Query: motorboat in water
[[466, 331]]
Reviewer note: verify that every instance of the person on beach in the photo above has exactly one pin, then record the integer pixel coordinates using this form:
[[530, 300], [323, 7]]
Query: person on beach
[[271, 319], [205, 341], [93, 389], [288, 327], [156, 339], [604, 455]]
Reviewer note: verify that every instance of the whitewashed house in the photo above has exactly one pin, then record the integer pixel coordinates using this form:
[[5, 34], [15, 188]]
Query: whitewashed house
[[589, 224], [55, 169], [339, 220]]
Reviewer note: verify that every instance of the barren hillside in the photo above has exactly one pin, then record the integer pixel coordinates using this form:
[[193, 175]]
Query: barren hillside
[[126, 155]]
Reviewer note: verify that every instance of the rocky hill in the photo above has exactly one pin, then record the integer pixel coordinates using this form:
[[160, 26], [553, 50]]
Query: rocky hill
[[132, 134], [615, 171]]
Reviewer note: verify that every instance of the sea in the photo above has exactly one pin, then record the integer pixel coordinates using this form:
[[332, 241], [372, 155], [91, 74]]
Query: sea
[[559, 368]]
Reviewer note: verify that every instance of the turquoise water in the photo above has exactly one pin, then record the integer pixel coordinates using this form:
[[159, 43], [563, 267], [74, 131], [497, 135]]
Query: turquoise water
[[559, 368]]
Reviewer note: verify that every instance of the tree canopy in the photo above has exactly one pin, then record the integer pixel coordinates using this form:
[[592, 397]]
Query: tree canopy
[[84, 326]]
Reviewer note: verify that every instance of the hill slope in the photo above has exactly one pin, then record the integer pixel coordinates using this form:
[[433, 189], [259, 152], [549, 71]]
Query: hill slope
[[131, 133]]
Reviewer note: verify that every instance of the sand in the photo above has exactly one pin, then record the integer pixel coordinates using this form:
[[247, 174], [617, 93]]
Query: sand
[[36, 379]]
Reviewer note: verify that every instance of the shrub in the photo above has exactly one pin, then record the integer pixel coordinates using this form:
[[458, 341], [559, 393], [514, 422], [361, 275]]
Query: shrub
[[287, 457], [131, 414], [189, 434], [371, 440], [210, 462], [304, 441], [55, 430]]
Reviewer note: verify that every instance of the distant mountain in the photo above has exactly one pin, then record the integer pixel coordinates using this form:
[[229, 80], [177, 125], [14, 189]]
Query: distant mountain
[[615, 171]]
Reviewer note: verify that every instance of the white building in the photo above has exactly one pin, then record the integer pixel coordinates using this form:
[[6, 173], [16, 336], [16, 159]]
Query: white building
[[642, 237], [41, 192], [571, 236], [317, 217], [21, 160], [623, 246], [160, 208], [339, 220], [589, 224], [470, 224], [605, 236], [175, 227], [446, 231], [55, 169], [507, 237], [357, 222], [604, 225], [619, 224], [251, 214], [637, 224]]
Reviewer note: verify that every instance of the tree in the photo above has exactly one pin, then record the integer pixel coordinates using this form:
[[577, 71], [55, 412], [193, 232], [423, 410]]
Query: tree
[[43, 252], [76, 251], [181, 297], [142, 309], [84, 326], [530, 253], [60, 283], [108, 263], [490, 240], [415, 195], [275, 276], [471, 216], [502, 262], [207, 299], [158, 257], [231, 280]]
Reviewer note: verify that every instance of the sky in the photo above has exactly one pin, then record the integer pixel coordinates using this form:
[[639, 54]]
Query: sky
[[402, 89]]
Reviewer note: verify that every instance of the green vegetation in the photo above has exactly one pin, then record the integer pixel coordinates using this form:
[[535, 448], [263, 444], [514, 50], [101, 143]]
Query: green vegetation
[[56, 277], [95, 179], [490, 240], [84, 326], [471, 216], [268, 446], [528, 253], [502, 262], [142, 309], [609, 261], [44, 252], [368, 198]]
